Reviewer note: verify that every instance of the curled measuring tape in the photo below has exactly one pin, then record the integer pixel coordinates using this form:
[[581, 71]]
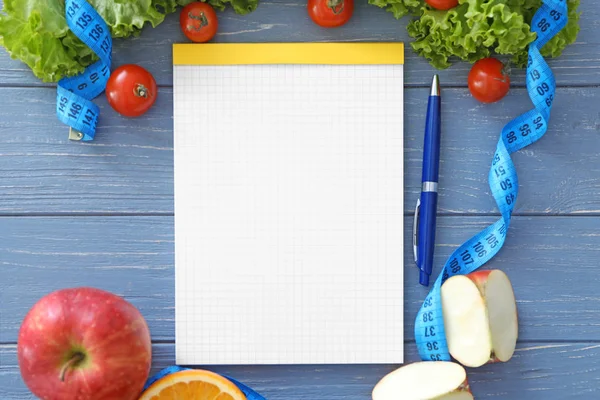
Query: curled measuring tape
[[74, 94], [524, 130]]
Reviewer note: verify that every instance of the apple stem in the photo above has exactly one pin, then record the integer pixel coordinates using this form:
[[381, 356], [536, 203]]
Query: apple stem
[[75, 359]]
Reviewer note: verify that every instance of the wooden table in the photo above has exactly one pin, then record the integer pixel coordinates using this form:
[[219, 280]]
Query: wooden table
[[101, 213]]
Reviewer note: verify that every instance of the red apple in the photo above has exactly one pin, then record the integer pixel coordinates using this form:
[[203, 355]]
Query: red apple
[[84, 344], [480, 317]]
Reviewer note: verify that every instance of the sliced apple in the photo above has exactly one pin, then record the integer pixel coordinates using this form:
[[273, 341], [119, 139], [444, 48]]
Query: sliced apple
[[480, 317], [425, 380]]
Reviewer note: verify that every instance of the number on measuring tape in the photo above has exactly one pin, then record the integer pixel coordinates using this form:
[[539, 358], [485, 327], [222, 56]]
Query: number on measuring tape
[[524, 130], [74, 106]]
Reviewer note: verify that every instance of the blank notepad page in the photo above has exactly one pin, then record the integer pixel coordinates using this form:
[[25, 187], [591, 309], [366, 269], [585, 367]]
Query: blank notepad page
[[288, 211]]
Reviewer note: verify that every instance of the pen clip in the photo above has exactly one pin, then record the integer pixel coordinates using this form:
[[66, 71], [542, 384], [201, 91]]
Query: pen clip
[[416, 231]]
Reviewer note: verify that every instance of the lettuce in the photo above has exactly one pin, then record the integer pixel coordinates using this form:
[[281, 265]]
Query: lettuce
[[241, 7], [399, 8], [478, 28], [36, 32]]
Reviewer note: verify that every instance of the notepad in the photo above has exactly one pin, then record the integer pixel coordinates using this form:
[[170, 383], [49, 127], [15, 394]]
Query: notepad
[[289, 170]]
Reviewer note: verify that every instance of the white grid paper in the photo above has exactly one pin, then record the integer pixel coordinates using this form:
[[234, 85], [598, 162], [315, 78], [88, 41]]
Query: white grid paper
[[289, 214]]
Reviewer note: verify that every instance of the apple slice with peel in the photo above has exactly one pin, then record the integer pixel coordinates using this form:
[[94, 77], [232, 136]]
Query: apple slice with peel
[[425, 380], [480, 317]]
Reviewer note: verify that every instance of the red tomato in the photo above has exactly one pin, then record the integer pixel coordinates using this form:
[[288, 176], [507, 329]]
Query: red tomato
[[488, 80], [330, 13], [198, 21], [131, 90], [442, 4]]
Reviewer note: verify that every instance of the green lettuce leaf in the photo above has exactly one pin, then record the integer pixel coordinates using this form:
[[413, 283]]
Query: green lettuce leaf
[[478, 28], [469, 32], [36, 32], [399, 8], [241, 7]]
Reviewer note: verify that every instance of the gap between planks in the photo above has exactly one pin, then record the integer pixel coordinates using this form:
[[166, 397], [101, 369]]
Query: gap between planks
[[541, 344], [583, 214], [519, 85]]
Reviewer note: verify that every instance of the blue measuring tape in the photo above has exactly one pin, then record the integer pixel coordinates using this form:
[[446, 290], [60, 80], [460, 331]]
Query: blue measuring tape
[[248, 392], [524, 130], [74, 94]]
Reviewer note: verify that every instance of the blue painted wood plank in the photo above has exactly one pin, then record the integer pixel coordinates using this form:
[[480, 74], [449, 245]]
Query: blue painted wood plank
[[537, 371], [552, 261], [289, 22], [129, 167]]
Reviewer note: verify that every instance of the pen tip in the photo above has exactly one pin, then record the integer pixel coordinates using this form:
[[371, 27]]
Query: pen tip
[[423, 278], [435, 86]]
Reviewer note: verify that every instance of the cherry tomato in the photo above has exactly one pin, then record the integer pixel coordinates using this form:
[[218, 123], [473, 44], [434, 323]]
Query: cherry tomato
[[442, 4], [131, 90], [198, 21], [489, 80], [330, 13]]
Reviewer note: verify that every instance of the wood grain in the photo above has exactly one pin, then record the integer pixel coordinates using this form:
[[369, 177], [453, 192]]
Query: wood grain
[[552, 261], [288, 21], [100, 213], [537, 371], [129, 167]]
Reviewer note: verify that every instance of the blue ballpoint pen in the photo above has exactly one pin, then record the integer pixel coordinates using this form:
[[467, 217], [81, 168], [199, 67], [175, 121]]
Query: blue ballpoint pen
[[425, 212]]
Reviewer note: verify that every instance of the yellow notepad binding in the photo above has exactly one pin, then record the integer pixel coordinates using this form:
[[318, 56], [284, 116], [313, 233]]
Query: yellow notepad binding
[[288, 53]]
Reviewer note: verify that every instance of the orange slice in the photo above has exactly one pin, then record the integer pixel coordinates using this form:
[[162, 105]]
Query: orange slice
[[193, 384]]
